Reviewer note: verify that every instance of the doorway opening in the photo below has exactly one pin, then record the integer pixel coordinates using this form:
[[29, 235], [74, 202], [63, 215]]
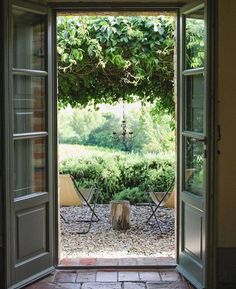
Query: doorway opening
[[116, 125]]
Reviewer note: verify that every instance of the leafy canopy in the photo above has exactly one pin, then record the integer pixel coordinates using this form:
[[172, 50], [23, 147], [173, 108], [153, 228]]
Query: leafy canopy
[[105, 59]]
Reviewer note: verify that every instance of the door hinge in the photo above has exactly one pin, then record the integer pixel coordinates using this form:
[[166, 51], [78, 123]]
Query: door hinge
[[205, 153]]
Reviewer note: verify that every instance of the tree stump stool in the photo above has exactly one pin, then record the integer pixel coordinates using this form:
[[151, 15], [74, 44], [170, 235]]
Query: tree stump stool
[[120, 215]]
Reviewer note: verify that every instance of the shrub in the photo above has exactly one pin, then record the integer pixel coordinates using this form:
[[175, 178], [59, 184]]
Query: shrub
[[120, 175], [134, 195]]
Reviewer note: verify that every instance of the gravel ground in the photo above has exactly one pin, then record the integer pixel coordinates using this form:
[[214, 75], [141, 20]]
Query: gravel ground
[[141, 240]]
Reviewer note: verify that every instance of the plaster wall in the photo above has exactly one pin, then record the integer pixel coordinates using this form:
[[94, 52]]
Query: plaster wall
[[227, 121]]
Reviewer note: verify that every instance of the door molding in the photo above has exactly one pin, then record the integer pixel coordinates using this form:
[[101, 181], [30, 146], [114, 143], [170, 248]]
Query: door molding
[[90, 7], [84, 8]]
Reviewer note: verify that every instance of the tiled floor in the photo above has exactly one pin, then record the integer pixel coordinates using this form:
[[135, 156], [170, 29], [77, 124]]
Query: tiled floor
[[141, 261], [112, 279]]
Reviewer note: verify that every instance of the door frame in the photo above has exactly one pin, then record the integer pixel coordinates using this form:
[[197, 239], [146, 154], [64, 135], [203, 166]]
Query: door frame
[[212, 91], [96, 8]]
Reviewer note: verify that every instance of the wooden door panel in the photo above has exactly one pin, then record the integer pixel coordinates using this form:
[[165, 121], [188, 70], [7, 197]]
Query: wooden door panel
[[28, 244], [32, 252], [193, 226], [34, 266], [193, 145]]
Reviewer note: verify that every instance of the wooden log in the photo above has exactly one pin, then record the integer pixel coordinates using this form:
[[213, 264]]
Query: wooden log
[[120, 215]]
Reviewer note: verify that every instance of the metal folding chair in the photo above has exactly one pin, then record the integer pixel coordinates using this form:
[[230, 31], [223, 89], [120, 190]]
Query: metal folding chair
[[159, 199], [72, 195]]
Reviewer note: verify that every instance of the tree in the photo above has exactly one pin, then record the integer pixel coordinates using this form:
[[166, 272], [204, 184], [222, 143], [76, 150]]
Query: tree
[[103, 135], [83, 121], [152, 133]]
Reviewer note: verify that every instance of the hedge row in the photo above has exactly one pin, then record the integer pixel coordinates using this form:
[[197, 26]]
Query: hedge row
[[121, 176]]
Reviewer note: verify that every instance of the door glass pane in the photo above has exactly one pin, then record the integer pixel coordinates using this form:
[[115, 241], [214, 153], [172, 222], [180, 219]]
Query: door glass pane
[[194, 171], [29, 166], [29, 104], [28, 40], [195, 103], [195, 39]]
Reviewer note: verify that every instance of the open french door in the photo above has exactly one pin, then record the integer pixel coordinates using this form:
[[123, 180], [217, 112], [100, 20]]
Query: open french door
[[193, 146], [29, 144]]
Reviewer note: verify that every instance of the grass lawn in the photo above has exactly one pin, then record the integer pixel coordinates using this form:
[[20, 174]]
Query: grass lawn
[[67, 151]]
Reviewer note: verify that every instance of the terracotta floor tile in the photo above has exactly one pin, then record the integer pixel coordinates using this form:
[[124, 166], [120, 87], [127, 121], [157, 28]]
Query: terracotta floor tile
[[99, 285], [134, 285], [150, 276], [169, 285], [65, 276], [49, 278], [88, 261], [107, 279], [69, 286], [165, 261], [104, 276], [70, 261], [128, 276], [86, 276], [107, 262], [170, 276]]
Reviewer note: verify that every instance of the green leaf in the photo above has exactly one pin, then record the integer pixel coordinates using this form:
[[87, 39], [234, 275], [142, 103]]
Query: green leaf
[[60, 50], [78, 54], [64, 57]]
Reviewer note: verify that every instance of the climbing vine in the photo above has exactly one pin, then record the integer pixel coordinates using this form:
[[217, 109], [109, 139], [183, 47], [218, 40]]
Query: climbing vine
[[105, 59]]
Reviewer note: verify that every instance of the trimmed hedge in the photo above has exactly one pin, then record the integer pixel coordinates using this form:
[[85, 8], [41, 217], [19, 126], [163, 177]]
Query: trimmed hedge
[[121, 176]]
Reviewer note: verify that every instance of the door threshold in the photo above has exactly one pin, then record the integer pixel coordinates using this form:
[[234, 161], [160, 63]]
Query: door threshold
[[116, 262], [117, 267]]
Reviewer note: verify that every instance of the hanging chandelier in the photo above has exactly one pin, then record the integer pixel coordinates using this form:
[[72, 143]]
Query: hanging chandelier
[[125, 137]]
